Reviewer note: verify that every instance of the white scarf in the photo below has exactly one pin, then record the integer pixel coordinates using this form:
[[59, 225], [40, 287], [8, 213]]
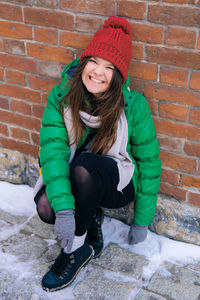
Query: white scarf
[[117, 151]]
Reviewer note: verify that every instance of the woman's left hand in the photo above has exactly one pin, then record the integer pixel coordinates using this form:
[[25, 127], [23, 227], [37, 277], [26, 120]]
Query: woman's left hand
[[137, 234]]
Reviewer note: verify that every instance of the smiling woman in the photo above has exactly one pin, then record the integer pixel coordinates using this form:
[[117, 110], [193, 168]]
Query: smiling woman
[[97, 75], [98, 150]]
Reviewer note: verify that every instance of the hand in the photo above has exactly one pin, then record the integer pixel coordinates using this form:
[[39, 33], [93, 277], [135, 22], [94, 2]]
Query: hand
[[137, 234], [64, 227]]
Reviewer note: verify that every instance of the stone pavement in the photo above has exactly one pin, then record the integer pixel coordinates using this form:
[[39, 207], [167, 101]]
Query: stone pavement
[[26, 251]]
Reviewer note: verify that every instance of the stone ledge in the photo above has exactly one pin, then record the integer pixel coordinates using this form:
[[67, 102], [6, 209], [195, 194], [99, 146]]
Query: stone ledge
[[177, 220], [18, 168]]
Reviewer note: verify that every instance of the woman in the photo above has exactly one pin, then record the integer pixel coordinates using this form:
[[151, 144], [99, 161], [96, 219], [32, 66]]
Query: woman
[[98, 149]]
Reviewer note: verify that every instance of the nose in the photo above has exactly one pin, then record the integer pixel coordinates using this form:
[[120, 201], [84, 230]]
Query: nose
[[98, 70]]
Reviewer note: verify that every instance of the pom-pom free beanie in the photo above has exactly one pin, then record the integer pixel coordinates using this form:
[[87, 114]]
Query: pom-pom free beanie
[[112, 43]]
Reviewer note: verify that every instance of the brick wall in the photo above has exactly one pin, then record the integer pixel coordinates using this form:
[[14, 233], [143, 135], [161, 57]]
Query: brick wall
[[38, 37]]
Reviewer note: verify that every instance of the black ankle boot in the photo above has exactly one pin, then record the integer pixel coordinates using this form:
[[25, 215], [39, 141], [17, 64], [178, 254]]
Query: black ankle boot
[[66, 267], [94, 235]]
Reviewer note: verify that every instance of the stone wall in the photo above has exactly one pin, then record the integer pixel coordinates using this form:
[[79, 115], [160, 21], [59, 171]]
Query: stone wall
[[18, 168]]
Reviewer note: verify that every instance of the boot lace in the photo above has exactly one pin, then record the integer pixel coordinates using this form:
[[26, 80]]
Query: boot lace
[[62, 264], [95, 232]]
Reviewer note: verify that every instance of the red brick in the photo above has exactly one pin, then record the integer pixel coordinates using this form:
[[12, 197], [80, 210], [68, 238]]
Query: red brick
[[137, 85], [1, 74], [194, 199], [41, 83], [174, 15], [173, 76], [19, 106], [26, 2], [14, 47], [46, 3], [178, 163], [170, 144], [20, 120], [49, 18], [180, 37], [193, 133], [195, 81], [153, 105], [195, 116], [20, 92], [173, 191], [179, 130], [181, 1], [11, 12], [138, 51], [192, 149], [74, 40], [38, 110], [46, 35], [53, 69], [198, 46], [22, 147], [173, 111], [170, 93], [190, 181], [15, 30], [169, 176], [1, 45], [143, 70], [35, 138], [4, 129], [44, 98], [146, 33], [49, 53], [88, 24], [20, 134], [134, 10], [15, 77], [18, 63], [101, 7], [4, 103], [37, 3], [176, 57]]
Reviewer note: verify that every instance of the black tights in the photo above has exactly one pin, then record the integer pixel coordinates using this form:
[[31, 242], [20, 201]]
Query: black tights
[[94, 180]]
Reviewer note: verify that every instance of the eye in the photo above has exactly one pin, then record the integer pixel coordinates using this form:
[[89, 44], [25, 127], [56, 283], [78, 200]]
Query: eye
[[92, 60], [110, 68]]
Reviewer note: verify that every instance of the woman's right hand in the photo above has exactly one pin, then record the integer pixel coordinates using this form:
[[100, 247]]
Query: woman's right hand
[[64, 227]]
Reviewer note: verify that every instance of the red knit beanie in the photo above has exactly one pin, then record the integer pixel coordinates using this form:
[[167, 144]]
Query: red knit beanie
[[112, 43]]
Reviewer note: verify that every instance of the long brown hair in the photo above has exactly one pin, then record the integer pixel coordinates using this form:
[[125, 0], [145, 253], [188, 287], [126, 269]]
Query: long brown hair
[[108, 106]]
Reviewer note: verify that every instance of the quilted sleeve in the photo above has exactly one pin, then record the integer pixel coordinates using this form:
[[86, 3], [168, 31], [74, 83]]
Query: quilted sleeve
[[145, 150], [55, 153]]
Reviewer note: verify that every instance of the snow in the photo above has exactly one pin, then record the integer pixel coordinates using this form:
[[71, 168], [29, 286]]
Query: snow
[[18, 200]]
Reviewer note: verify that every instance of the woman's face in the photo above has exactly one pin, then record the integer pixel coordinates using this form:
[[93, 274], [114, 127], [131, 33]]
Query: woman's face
[[97, 75]]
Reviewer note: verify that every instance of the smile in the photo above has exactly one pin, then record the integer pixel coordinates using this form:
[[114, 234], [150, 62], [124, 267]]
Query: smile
[[95, 80]]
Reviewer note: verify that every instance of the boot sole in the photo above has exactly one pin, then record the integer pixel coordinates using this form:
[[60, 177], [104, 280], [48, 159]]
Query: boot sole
[[74, 277], [98, 255]]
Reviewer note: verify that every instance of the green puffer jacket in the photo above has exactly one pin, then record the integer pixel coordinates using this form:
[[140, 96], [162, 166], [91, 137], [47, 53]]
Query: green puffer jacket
[[142, 147]]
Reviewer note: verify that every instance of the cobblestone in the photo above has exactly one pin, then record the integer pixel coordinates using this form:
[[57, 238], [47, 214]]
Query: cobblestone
[[27, 252]]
